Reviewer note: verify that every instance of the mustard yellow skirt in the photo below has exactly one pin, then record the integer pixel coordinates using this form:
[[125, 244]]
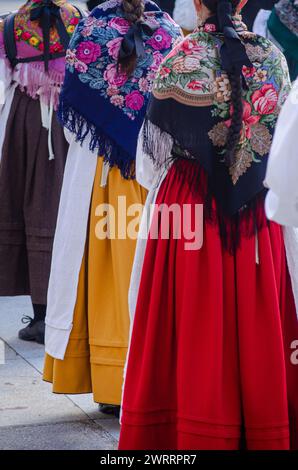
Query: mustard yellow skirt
[[97, 348]]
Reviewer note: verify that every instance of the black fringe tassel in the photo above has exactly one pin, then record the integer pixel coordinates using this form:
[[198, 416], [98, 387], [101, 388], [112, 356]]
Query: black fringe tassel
[[99, 141], [163, 150]]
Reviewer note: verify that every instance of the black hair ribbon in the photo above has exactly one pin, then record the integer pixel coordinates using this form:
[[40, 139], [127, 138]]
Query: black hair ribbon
[[133, 40], [45, 12], [233, 53]]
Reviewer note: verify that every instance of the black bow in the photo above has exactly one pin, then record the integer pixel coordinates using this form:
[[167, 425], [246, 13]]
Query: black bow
[[233, 53], [133, 40], [45, 12]]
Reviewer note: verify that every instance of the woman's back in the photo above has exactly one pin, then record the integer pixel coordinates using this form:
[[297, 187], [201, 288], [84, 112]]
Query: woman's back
[[193, 101], [31, 43]]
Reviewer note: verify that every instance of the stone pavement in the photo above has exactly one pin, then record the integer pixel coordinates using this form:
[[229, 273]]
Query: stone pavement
[[31, 416]]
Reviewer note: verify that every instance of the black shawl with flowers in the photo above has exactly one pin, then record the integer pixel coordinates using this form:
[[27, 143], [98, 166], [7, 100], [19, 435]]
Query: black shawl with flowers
[[190, 113]]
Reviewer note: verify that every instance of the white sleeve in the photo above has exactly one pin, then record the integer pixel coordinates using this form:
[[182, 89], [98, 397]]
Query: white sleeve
[[260, 24], [185, 14], [282, 170], [7, 90], [69, 136], [145, 168], [5, 81]]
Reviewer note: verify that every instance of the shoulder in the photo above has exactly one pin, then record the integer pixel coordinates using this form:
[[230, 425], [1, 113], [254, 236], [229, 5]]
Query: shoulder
[[188, 73], [71, 17], [260, 48], [199, 47]]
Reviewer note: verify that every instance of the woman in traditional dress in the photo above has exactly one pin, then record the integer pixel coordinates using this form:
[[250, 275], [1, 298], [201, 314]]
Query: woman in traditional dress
[[33, 150], [281, 26], [111, 64], [211, 363]]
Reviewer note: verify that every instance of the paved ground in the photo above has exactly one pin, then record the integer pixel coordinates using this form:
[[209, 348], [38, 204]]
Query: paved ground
[[31, 417]]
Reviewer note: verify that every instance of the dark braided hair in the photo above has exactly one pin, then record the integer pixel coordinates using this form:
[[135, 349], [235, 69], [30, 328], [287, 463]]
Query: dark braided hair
[[133, 12], [236, 97]]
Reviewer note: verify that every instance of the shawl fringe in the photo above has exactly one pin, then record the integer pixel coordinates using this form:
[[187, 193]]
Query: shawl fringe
[[38, 84], [246, 223], [164, 151], [98, 140]]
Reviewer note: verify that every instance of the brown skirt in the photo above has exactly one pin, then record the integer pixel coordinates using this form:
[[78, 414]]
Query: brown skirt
[[30, 186]]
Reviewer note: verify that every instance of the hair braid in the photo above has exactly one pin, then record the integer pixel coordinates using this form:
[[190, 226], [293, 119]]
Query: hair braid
[[133, 12], [236, 118], [236, 98]]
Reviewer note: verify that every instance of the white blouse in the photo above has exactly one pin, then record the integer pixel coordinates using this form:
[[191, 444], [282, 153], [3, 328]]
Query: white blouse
[[282, 170]]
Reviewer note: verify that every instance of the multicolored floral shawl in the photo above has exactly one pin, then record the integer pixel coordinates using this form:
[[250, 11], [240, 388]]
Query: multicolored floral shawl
[[190, 113], [29, 40], [98, 101]]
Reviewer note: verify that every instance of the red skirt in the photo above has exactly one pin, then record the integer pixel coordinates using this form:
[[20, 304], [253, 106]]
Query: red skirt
[[211, 359]]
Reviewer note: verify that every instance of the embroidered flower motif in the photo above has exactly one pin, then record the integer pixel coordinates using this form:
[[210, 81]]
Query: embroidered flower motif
[[87, 31], [244, 158], [248, 72], [55, 48], [191, 46], [256, 53], [74, 21], [186, 64], [248, 121], [164, 72], [209, 28], [195, 85], [114, 47], [88, 52], [120, 24], [222, 88], [144, 85], [117, 100], [18, 34], [261, 139], [33, 41], [114, 77], [70, 29], [157, 60], [260, 75], [112, 90], [26, 36], [134, 100], [71, 57], [265, 100], [160, 40], [81, 67], [219, 134]]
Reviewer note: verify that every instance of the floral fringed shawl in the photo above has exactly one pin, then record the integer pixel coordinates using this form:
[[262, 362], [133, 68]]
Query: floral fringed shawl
[[98, 101], [31, 77], [190, 113]]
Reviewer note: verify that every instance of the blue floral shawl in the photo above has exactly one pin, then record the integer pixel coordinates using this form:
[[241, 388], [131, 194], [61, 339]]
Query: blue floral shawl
[[98, 101]]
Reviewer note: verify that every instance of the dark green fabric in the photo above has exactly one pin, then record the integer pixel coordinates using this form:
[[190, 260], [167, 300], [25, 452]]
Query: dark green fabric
[[287, 40]]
